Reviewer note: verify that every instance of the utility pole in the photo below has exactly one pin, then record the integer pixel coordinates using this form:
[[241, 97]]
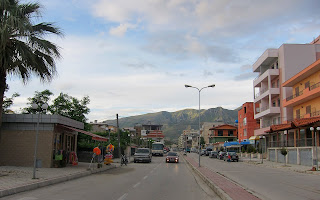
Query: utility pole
[[118, 136]]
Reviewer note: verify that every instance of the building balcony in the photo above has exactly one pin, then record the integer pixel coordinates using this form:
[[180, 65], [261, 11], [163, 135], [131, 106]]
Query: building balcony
[[267, 112], [265, 94], [305, 95], [266, 59], [272, 73]]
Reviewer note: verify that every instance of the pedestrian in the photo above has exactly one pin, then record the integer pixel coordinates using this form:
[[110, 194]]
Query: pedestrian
[[229, 158]]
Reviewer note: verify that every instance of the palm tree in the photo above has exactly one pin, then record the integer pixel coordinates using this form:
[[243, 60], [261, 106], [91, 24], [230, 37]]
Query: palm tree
[[23, 49]]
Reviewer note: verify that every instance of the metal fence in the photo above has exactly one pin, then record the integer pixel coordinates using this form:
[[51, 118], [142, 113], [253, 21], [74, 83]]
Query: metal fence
[[290, 143]]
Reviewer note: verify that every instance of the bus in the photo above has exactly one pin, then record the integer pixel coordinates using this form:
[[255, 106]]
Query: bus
[[157, 148]]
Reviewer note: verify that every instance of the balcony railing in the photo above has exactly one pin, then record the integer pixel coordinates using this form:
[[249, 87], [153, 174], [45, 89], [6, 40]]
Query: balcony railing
[[312, 87], [294, 96], [316, 113], [290, 143]]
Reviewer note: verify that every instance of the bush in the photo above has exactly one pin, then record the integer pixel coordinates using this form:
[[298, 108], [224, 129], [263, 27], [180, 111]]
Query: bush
[[284, 151], [254, 150], [243, 150], [250, 149]]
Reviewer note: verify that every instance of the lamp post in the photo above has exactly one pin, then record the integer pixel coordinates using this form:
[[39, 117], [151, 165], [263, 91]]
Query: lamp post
[[315, 144], [108, 130], [42, 107], [262, 137], [129, 144], [189, 86]]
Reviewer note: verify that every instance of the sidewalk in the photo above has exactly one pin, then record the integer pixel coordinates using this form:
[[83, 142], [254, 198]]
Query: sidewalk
[[269, 164], [19, 179], [226, 189]]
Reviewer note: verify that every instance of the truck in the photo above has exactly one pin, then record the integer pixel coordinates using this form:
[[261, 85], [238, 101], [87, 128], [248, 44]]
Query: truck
[[157, 148]]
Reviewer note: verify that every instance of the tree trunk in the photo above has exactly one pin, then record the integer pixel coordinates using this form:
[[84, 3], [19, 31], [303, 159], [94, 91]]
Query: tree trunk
[[3, 78]]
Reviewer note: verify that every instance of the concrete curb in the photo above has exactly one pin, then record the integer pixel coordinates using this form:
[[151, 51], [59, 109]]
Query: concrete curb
[[214, 187], [51, 181]]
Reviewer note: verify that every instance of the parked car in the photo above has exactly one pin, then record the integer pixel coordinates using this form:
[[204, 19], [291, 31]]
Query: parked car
[[233, 156], [208, 150], [142, 155], [203, 152], [172, 157], [221, 155], [213, 154]]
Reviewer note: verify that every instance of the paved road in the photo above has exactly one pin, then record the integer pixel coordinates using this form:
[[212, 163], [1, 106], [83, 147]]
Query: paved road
[[267, 183], [137, 181]]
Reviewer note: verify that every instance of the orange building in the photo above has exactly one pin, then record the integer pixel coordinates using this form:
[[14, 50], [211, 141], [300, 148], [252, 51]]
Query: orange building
[[223, 133], [246, 122]]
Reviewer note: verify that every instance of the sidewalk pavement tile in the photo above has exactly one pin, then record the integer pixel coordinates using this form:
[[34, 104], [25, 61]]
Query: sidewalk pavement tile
[[231, 189]]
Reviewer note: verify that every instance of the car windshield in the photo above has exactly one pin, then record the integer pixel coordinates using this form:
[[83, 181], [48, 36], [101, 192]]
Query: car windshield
[[172, 154], [142, 151], [232, 153]]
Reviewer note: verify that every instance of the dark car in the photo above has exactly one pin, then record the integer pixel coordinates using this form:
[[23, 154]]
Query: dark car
[[172, 157], [213, 154], [221, 155], [233, 156], [208, 150]]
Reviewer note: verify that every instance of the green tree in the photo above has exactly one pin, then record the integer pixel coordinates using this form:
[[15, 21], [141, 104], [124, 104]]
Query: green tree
[[39, 98], [202, 142], [23, 50], [71, 107], [8, 101], [284, 152]]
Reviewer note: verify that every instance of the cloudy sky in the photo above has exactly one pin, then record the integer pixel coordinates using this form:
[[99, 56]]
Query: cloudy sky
[[134, 57]]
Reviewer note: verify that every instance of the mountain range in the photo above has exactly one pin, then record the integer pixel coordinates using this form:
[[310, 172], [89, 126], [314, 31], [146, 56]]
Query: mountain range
[[175, 122]]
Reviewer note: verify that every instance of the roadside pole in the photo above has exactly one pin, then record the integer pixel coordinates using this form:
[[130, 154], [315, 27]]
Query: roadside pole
[[119, 151]]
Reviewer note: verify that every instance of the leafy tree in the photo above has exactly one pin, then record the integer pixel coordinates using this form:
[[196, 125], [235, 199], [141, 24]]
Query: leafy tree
[[71, 107], [39, 98], [284, 152], [8, 101], [202, 142], [23, 50]]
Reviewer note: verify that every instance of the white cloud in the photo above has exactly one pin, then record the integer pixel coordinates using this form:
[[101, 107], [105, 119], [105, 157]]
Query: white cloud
[[121, 29]]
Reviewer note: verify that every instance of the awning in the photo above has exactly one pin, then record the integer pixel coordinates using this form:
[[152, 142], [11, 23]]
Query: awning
[[234, 143], [94, 136], [245, 143], [254, 137]]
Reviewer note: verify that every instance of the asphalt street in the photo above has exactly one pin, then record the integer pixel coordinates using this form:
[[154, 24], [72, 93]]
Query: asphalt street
[[137, 181], [266, 183]]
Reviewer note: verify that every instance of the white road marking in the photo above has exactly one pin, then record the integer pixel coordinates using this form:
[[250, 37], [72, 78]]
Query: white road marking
[[137, 184], [28, 198], [123, 196], [145, 177]]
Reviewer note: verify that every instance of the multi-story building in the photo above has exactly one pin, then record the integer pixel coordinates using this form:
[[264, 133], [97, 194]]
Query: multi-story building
[[206, 132], [275, 66], [151, 131], [223, 133], [246, 122]]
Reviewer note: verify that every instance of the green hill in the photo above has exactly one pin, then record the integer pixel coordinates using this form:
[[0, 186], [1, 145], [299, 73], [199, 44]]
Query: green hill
[[175, 122]]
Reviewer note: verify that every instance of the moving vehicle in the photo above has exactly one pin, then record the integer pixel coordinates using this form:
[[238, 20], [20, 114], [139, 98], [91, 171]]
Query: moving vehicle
[[221, 155], [233, 156], [172, 157], [213, 154], [142, 155], [157, 148]]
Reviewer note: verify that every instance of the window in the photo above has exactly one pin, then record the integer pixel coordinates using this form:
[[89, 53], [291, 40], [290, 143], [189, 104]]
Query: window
[[308, 109], [274, 121], [244, 121], [297, 91], [298, 114], [278, 84], [307, 85], [245, 132], [245, 109], [230, 133], [220, 132], [274, 104], [278, 102]]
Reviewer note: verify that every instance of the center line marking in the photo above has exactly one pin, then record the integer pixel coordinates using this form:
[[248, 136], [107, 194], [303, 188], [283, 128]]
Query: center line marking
[[145, 177], [136, 185], [123, 196]]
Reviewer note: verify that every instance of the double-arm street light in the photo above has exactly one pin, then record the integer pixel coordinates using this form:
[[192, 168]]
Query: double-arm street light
[[189, 86], [39, 108]]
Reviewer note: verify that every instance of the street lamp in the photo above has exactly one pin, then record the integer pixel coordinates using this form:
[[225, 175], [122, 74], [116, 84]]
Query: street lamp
[[42, 107], [189, 86], [262, 137], [315, 144]]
